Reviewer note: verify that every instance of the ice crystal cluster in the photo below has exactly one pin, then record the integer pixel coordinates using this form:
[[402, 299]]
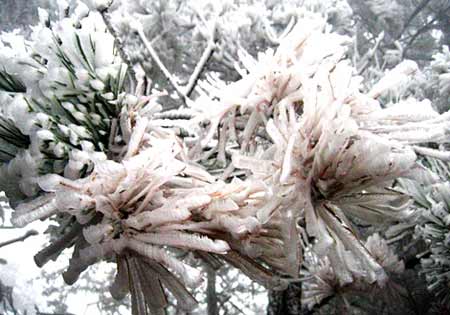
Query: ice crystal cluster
[[441, 77], [285, 160], [431, 223], [322, 277], [435, 231], [299, 122]]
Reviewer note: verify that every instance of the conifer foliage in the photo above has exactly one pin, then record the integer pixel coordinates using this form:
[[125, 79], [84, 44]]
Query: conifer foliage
[[268, 173]]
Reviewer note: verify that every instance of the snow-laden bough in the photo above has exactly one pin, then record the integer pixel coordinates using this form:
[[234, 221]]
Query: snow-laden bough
[[306, 153], [329, 151]]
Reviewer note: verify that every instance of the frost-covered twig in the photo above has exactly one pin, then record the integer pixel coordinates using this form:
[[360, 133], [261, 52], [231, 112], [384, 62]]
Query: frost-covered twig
[[137, 26], [19, 239], [365, 60], [107, 19], [437, 154], [209, 50]]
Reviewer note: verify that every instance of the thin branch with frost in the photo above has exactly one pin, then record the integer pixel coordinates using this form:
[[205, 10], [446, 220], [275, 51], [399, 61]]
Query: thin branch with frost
[[19, 239], [437, 154], [137, 26], [207, 53], [107, 19], [362, 66]]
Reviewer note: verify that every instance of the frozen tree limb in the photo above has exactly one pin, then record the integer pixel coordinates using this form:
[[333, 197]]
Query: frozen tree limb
[[416, 11], [107, 19], [138, 28], [362, 66], [207, 53], [441, 155], [19, 239]]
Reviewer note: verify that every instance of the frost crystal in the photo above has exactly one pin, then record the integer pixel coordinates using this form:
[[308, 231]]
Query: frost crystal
[[434, 229], [299, 122]]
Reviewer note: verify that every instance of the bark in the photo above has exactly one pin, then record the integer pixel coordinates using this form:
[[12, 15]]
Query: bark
[[211, 294], [286, 302]]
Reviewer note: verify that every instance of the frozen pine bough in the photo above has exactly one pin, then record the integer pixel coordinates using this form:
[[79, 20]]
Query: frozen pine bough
[[328, 151], [277, 166], [92, 156], [430, 225]]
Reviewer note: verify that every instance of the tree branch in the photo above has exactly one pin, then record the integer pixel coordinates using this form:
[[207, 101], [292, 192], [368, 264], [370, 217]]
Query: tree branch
[[364, 62], [119, 45], [424, 28], [419, 8], [138, 27], [211, 294], [19, 239], [207, 53]]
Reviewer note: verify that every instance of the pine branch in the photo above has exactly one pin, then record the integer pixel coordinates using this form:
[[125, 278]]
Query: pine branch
[[10, 83]]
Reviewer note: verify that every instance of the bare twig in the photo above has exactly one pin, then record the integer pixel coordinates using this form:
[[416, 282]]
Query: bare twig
[[19, 239]]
